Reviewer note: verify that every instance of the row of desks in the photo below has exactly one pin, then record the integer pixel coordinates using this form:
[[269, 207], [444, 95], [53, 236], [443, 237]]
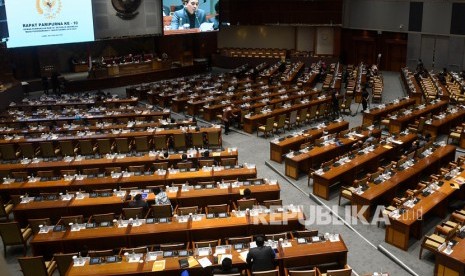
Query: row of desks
[[113, 161], [292, 142], [171, 232], [374, 115], [384, 192], [399, 230], [63, 103], [347, 172], [87, 206], [295, 255], [304, 161]]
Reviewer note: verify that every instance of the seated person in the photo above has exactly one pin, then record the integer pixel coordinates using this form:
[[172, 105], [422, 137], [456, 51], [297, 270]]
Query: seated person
[[166, 10], [261, 258], [161, 197], [247, 194], [216, 20], [138, 202], [226, 268], [190, 16]]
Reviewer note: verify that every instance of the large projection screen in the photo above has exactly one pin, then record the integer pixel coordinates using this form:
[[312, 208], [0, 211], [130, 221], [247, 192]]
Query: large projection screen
[[146, 20], [45, 22]]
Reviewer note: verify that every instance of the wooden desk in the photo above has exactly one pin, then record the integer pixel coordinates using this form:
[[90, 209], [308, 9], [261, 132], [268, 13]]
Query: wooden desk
[[251, 122], [375, 114], [383, 193], [298, 254], [443, 126], [401, 122], [346, 173], [453, 264], [130, 236], [303, 162], [410, 223], [279, 148]]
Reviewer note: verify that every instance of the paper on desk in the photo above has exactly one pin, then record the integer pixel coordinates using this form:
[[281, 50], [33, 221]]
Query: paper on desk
[[459, 180], [334, 238], [204, 262], [455, 186], [193, 262], [243, 255], [158, 265], [224, 256], [387, 146]]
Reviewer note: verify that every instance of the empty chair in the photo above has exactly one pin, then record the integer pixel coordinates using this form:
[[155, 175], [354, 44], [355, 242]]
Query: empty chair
[[302, 118], [45, 175], [173, 246], [197, 139], [104, 146], [47, 150], [228, 162], [431, 243], [19, 176], [64, 261], [179, 141], [90, 171], [160, 142], [35, 223], [27, 150], [182, 211], [280, 124], [67, 148], [66, 220], [101, 253], [6, 209], [36, 266], [206, 163], [267, 127], [110, 170], [291, 122], [8, 152], [160, 165], [68, 172], [136, 169], [273, 202], [128, 213], [243, 204], [160, 211], [346, 271], [142, 143], [86, 147], [276, 237], [304, 234], [214, 139], [216, 209], [99, 218], [184, 165], [240, 240], [291, 272], [123, 145], [12, 234], [273, 272], [137, 250], [210, 243]]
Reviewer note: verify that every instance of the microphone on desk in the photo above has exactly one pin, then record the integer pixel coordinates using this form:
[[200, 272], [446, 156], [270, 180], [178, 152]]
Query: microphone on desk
[[196, 18]]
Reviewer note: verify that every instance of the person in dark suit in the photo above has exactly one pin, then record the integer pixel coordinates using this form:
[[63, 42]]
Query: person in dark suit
[[226, 268], [138, 202], [190, 14], [262, 257], [365, 96]]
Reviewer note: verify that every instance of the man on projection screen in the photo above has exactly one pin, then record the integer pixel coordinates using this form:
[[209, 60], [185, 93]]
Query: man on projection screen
[[189, 17]]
